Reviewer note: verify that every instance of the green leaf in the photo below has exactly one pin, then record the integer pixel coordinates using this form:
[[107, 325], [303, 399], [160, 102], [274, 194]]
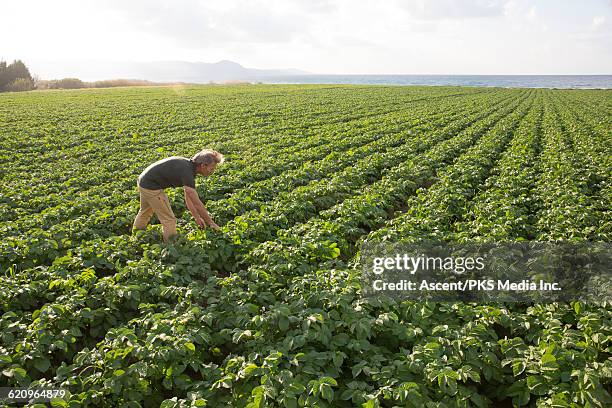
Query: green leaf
[[522, 398], [58, 403], [250, 369], [17, 372], [326, 391], [478, 400], [42, 364], [537, 385], [335, 252], [373, 403], [518, 367], [190, 346], [295, 388], [329, 380], [290, 402], [283, 323], [258, 396], [548, 358]]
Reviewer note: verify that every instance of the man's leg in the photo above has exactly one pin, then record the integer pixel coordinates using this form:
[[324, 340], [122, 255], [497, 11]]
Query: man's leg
[[146, 211], [161, 207]]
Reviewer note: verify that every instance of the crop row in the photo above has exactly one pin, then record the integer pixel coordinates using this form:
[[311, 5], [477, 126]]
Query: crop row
[[566, 211]]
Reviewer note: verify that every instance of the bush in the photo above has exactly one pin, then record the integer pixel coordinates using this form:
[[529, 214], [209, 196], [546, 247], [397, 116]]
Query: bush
[[20, 84], [66, 83]]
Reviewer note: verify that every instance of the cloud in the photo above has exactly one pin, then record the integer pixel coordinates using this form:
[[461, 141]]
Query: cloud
[[531, 14], [453, 9], [598, 22], [428, 26], [367, 36], [595, 35], [318, 6], [197, 24], [593, 39]]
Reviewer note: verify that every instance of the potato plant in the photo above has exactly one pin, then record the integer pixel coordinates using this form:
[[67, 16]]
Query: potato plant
[[269, 311]]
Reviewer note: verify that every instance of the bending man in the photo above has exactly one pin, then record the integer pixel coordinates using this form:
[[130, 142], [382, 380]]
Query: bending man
[[174, 172]]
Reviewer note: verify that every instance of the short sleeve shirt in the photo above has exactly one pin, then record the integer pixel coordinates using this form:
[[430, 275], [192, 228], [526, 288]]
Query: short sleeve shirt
[[171, 172]]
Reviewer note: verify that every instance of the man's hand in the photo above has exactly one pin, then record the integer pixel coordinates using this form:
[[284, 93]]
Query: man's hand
[[201, 223], [197, 209], [214, 226]]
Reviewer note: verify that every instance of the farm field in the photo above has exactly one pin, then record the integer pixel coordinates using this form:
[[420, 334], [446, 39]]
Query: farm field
[[269, 312]]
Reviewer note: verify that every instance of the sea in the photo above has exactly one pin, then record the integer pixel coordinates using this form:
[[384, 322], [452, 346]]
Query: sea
[[505, 81]]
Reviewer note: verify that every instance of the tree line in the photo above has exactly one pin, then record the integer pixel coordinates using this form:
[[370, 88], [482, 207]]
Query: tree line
[[16, 76]]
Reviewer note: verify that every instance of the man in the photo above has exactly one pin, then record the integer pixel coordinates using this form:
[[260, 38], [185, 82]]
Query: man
[[174, 172]]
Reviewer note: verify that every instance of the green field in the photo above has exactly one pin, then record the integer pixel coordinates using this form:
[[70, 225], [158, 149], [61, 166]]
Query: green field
[[269, 312]]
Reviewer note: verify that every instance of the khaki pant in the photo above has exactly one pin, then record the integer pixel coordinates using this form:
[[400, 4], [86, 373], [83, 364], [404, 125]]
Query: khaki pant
[[155, 201]]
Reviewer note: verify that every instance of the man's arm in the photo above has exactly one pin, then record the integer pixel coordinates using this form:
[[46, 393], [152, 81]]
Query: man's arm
[[197, 209]]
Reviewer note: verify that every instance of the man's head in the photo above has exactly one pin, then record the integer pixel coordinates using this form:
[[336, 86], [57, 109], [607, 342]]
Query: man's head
[[206, 161]]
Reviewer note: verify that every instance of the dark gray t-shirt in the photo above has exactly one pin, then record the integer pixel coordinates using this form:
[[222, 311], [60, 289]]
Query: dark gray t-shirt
[[171, 172]]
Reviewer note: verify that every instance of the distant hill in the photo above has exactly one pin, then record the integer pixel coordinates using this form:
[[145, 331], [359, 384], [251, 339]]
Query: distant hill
[[203, 72], [165, 71]]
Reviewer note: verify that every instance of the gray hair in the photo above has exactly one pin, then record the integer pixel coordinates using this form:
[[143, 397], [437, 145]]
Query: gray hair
[[208, 156]]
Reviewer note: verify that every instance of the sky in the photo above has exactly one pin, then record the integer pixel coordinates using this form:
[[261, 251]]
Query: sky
[[56, 38]]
